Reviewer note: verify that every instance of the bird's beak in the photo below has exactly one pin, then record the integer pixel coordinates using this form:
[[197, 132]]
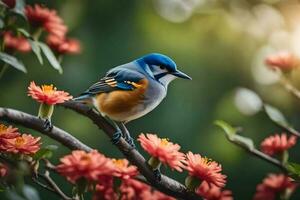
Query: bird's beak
[[181, 75]]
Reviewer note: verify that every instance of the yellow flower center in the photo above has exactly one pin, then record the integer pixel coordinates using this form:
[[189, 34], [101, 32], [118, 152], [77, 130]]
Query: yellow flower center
[[19, 141], [206, 161], [48, 89], [119, 163], [85, 158], [3, 128], [164, 142]]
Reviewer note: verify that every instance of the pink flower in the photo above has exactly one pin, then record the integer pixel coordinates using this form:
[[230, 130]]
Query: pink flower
[[63, 45], [277, 144], [131, 189], [93, 166], [47, 19], [273, 185], [213, 192], [165, 151], [24, 144], [47, 94], [15, 43], [8, 132], [284, 60], [10, 3], [122, 170], [105, 191], [3, 170], [205, 169]]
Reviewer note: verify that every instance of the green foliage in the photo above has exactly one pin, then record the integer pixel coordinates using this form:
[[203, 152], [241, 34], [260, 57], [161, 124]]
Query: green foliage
[[12, 61], [294, 170], [45, 152], [231, 134]]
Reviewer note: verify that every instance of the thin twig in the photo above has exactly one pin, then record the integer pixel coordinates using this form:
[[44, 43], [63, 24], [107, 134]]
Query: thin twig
[[53, 185]]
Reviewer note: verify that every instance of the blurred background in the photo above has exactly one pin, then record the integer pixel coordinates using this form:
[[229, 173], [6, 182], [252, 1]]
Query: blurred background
[[220, 43]]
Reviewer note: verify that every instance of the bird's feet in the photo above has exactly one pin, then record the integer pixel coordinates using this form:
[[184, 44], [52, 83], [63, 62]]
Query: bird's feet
[[130, 141], [157, 175], [47, 125], [116, 137]]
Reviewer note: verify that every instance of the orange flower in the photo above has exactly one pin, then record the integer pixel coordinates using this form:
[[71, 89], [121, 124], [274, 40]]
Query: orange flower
[[47, 94], [10, 3], [47, 19], [63, 45], [165, 151], [284, 60], [3, 170], [93, 166], [122, 170], [24, 144], [205, 169], [213, 192], [273, 185], [277, 144], [18, 43], [8, 132]]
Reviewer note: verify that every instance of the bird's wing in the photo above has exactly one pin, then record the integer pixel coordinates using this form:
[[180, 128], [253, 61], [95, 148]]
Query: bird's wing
[[119, 79]]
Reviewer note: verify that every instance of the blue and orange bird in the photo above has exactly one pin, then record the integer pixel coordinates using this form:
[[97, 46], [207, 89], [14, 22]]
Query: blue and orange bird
[[132, 90]]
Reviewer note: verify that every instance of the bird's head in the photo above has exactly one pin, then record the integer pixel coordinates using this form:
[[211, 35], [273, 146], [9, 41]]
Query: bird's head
[[161, 68]]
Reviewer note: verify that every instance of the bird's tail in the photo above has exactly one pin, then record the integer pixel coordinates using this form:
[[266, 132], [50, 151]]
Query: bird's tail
[[83, 98]]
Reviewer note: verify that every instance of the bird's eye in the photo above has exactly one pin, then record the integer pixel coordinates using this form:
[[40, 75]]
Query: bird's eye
[[161, 67]]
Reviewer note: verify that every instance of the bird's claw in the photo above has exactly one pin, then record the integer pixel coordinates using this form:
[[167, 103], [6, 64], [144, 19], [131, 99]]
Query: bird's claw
[[130, 141], [48, 125], [157, 174], [116, 137]]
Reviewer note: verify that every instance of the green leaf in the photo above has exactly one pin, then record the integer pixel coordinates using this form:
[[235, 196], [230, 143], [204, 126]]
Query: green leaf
[[51, 57], [19, 8], [275, 115], [24, 32], [294, 170], [1, 23], [45, 152], [30, 193], [278, 118], [231, 134], [36, 50], [12, 195], [12, 61]]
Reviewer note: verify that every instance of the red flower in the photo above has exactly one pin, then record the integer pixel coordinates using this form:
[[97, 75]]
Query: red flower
[[277, 144], [93, 166], [63, 45], [3, 170], [156, 195], [18, 43], [284, 60], [122, 170], [132, 189], [10, 3], [47, 19], [273, 185], [24, 144], [213, 192], [8, 132], [205, 169], [47, 94], [105, 191], [165, 151]]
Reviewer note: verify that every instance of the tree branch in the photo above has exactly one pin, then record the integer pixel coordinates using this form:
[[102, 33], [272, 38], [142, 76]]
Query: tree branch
[[35, 123], [167, 185]]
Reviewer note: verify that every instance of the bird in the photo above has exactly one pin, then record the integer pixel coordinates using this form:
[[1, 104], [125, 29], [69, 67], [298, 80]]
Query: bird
[[130, 91]]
